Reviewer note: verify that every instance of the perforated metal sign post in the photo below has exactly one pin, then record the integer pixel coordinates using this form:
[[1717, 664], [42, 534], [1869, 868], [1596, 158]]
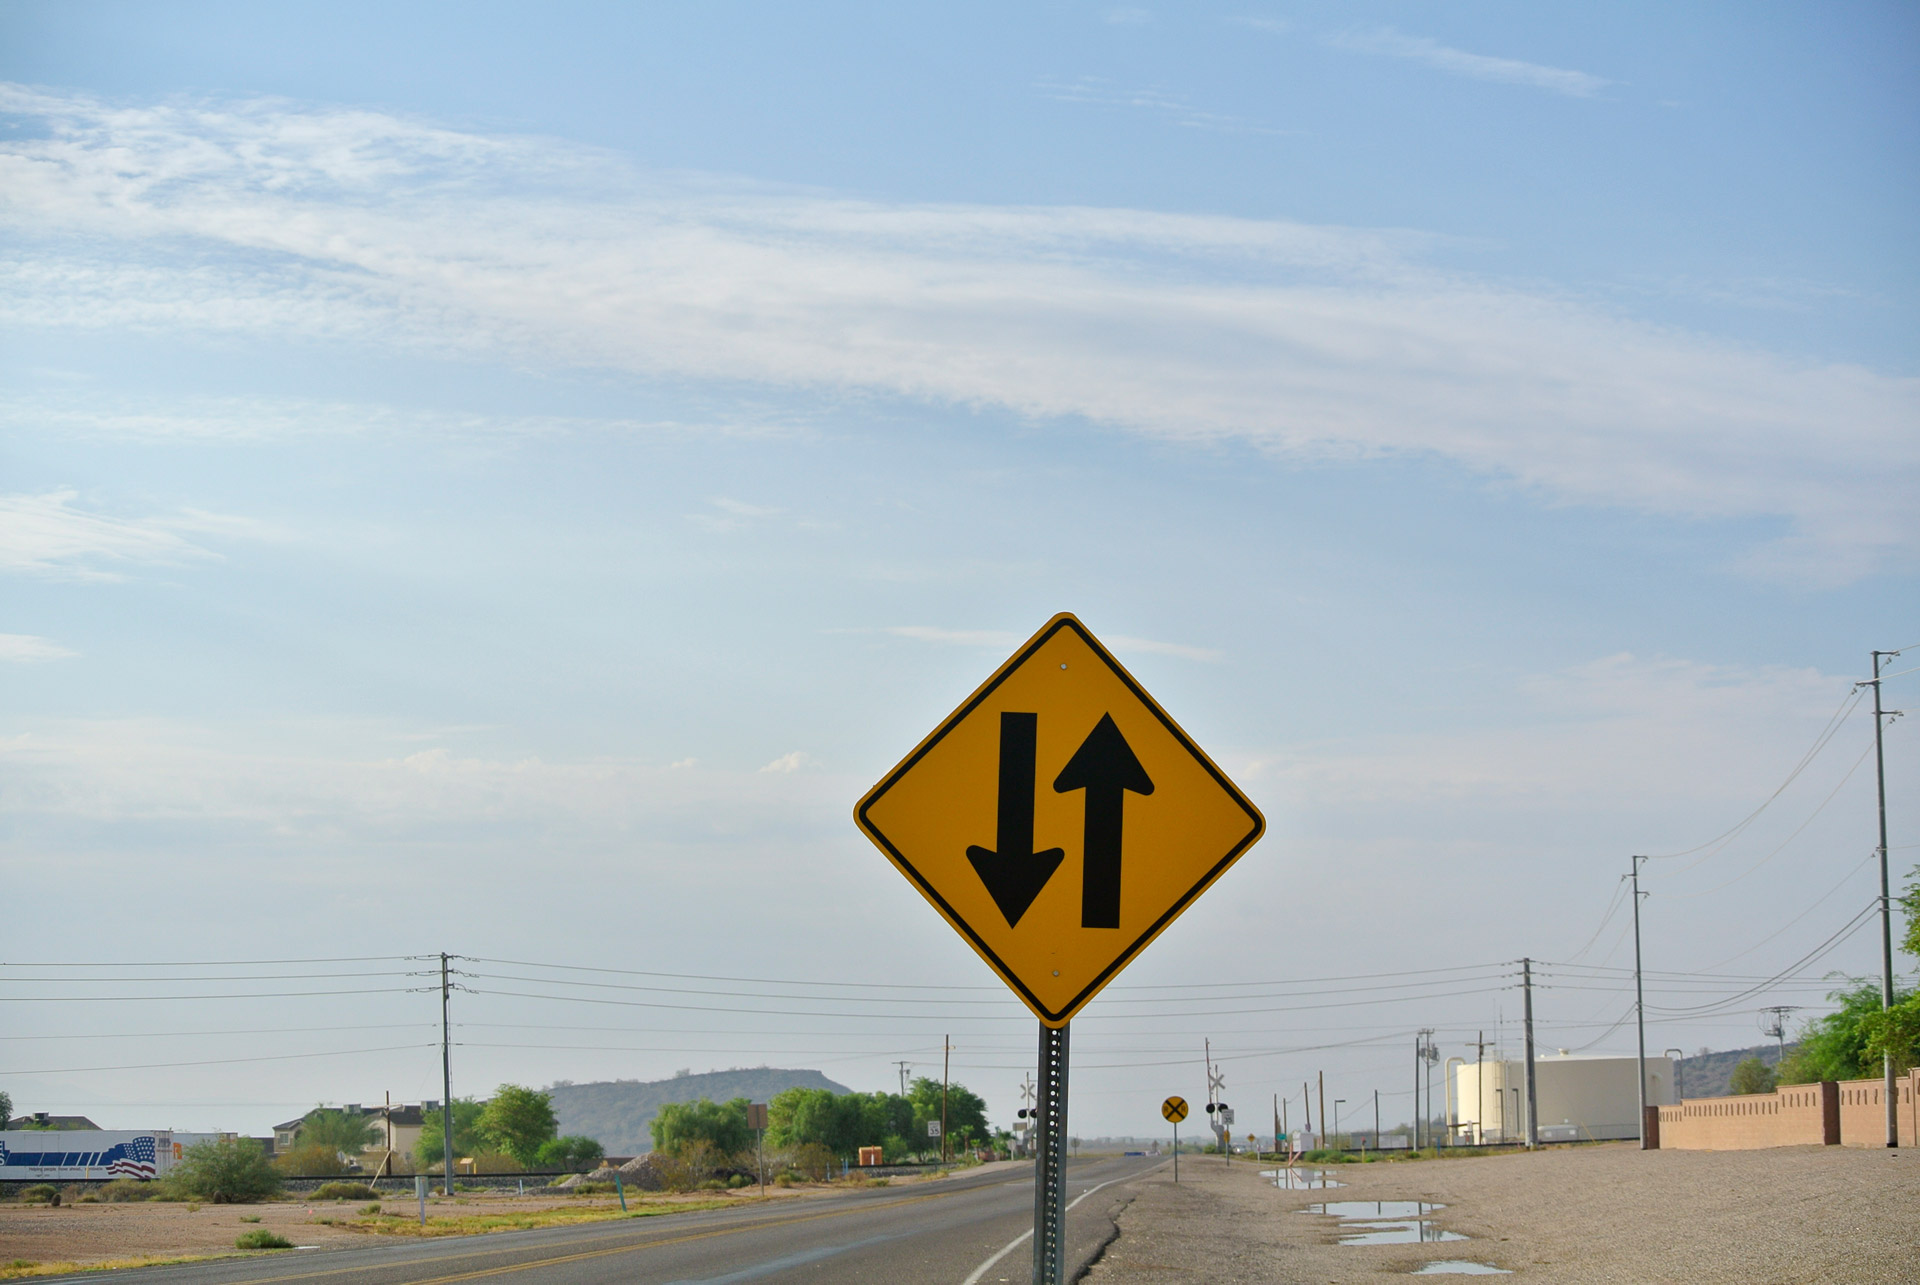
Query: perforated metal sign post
[[1059, 755], [1175, 1109]]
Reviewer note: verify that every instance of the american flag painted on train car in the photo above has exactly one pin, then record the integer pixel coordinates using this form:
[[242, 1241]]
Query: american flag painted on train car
[[133, 1159]]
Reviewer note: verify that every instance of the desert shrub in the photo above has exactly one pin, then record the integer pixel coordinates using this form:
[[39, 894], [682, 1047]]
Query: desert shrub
[[713, 1184], [41, 1191], [812, 1161], [121, 1190], [261, 1238], [345, 1191], [251, 1218], [591, 1188], [738, 1181], [225, 1171], [374, 1208], [318, 1161], [783, 1180]]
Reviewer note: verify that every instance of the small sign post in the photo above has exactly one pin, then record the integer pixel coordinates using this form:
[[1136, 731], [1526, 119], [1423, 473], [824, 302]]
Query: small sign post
[[1175, 1109], [1060, 754]]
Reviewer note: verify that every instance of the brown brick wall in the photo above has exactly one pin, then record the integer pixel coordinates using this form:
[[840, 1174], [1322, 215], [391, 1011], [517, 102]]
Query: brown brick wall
[[1850, 1113]]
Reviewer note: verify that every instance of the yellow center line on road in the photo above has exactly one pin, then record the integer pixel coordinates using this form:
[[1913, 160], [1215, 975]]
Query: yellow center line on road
[[579, 1256]]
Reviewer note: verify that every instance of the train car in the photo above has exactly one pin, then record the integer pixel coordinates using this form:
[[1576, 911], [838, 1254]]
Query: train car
[[77, 1155]]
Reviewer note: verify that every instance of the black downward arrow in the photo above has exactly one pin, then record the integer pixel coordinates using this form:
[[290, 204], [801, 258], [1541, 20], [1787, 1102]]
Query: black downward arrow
[[1015, 874], [1103, 766]]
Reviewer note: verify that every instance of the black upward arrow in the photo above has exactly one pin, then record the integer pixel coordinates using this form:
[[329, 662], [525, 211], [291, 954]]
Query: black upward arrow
[[1015, 873], [1103, 766]]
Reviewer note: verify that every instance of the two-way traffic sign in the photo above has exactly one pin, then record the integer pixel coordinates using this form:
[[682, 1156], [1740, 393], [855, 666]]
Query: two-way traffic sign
[[1059, 819]]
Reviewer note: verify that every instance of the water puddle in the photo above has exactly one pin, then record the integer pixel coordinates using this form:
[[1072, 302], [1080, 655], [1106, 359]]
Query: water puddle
[[1384, 1222], [1300, 1179], [1374, 1208], [1456, 1267], [1411, 1232]]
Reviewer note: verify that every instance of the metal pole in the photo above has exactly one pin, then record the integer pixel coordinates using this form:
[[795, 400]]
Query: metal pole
[[946, 1065], [1480, 1087], [1376, 1119], [1526, 989], [1050, 1162], [1639, 1004], [446, 1076], [1323, 1101], [1886, 908], [1417, 1058]]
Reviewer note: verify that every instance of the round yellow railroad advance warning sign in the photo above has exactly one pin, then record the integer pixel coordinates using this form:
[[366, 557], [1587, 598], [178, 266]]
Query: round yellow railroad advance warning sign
[[1175, 1109]]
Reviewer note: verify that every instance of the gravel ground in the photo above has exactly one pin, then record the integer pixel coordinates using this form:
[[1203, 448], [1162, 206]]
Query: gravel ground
[[1613, 1214]]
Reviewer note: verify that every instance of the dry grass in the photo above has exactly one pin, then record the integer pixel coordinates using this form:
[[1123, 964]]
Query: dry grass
[[20, 1269], [403, 1224]]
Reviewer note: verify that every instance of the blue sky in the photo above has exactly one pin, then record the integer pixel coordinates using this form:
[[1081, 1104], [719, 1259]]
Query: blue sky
[[505, 480]]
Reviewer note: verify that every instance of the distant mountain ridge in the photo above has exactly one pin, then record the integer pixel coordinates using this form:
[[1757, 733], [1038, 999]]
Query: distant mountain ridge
[[1710, 1075], [619, 1113]]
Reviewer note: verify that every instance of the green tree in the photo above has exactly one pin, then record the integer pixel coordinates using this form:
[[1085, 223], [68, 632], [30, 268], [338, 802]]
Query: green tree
[[722, 1125], [6, 1108], [1896, 1031], [518, 1120], [338, 1131], [1752, 1076], [966, 1113], [225, 1171], [427, 1151], [1835, 1047], [571, 1152]]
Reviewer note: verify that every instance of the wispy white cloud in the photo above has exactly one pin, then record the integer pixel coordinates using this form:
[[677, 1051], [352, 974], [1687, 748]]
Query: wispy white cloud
[[1458, 62], [1312, 341], [48, 535], [26, 649], [790, 762], [996, 638], [1123, 644], [1100, 92]]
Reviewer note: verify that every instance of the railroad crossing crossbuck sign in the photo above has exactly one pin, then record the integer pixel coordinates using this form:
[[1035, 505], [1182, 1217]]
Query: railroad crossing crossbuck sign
[[1059, 819], [1175, 1109]]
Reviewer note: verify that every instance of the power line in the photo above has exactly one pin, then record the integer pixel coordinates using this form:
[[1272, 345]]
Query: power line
[[1834, 722], [221, 1061]]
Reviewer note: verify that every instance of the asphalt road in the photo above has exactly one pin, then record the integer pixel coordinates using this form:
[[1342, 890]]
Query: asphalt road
[[943, 1233]]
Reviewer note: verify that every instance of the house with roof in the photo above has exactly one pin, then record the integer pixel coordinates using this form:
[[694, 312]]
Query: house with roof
[[399, 1126]]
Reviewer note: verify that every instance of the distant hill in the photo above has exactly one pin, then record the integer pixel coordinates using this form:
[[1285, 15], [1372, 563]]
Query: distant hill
[[619, 1115], [1710, 1075]]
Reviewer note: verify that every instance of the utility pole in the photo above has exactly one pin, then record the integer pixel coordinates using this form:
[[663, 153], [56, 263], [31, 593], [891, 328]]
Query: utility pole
[[1376, 1119], [446, 1074], [1639, 1002], [1306, 1106], [946, 1065], [1888, 1090], [1323, 1101], [903, 1076], [1526, 990], [1480, 1087], [1418, 1058]]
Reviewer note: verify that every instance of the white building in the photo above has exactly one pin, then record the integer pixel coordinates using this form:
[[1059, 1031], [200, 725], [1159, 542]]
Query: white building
[[1582, 1098]]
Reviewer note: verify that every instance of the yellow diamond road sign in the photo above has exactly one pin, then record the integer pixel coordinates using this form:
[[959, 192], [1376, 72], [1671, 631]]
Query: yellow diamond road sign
[[1059, 819]]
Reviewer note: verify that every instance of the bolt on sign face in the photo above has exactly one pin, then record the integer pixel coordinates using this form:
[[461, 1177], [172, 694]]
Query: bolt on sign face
[[1059, 819]]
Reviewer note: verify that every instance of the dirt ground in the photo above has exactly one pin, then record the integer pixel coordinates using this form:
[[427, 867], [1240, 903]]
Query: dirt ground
[[97, 1233], [1589, 1215]]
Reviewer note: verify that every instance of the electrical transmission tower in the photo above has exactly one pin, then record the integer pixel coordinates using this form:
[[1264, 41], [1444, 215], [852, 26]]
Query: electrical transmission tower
[[1773, 1024]]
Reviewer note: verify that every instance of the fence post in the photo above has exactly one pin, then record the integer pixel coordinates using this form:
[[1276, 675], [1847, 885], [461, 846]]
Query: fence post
[[1830, 1112]]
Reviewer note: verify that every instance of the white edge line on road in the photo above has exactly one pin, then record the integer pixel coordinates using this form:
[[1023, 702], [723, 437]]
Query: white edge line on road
[[1025, 1236]]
